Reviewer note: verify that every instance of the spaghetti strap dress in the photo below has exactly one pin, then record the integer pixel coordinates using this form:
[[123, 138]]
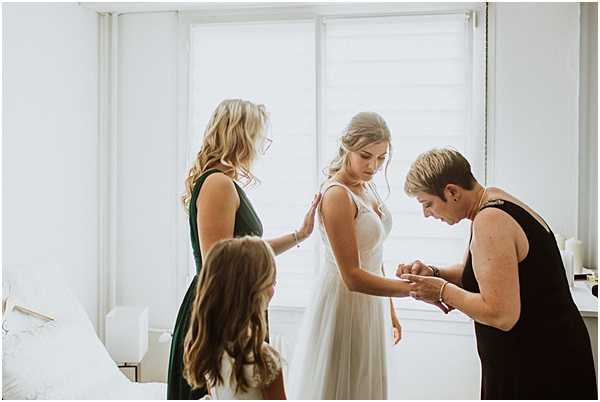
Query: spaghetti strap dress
[[343, 344], [247, 222]]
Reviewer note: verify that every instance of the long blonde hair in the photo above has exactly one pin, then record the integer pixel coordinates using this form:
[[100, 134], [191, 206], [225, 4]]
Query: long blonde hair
[[228, 314], [230, 138], [364, 129]]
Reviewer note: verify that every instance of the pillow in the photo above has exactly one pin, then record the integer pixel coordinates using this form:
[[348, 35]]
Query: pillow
[[43, 288], [56, 360]]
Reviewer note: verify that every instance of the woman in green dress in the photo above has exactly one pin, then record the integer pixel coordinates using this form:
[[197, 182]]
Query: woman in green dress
[[219, 208]]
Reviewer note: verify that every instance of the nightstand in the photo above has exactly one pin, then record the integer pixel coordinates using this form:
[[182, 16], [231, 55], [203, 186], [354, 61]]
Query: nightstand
[[136, 370], [127, 336]]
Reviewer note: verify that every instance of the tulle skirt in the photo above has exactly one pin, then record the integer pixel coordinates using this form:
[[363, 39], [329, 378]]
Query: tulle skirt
[[341, 349]]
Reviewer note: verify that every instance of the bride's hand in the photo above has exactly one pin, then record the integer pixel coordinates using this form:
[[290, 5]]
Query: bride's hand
[[397, 329], [415, 268], [309, 219]]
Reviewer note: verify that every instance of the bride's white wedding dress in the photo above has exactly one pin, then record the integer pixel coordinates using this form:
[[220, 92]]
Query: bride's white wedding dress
[[341, 350]]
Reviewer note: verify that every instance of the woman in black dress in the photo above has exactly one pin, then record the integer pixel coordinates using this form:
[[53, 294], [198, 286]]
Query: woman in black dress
[[531, 339], [219, 208]]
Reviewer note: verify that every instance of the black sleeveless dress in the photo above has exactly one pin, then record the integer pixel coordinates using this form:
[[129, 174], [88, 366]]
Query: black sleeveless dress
[[246, 223], [547, 354]]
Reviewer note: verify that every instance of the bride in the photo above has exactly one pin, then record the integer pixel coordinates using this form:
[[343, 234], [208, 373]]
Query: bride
[[341, 348]]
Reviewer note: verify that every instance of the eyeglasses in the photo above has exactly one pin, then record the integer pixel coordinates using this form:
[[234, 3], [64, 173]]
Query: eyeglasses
[[265, 145]]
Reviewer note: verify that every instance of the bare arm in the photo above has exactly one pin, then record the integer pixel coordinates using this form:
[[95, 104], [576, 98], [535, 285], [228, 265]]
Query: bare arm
[[397, 327], [276, 389], [283, 243], [393, 310], [453, 273], [495, 262], [217, 204], [338, 212]]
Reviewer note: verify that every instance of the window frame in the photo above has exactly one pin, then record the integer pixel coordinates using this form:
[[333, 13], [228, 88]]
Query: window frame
[[253, 13]]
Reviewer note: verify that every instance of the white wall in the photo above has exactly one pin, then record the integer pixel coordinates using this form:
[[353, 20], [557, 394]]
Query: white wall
[[534, 147], [50, 138], [148, 188], [588, 136], [533, 154], [50, 175]]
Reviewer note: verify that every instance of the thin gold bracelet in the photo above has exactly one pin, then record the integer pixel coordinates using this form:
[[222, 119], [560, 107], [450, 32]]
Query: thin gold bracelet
[[441, 299]]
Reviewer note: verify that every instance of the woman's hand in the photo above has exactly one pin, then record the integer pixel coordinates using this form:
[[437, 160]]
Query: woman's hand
[[415, 268], [309, 219], [396, 328], [427, 289]]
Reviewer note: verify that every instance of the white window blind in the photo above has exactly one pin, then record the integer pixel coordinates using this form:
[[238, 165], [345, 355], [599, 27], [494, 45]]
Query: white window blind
[[273, 64], [416, 71]]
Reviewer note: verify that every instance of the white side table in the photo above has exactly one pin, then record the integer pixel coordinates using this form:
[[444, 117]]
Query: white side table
[[127, 336], [587, 304]]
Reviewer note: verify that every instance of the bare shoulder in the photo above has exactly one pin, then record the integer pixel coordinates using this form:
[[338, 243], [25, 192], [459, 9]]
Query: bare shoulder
[[336, 199], [219, 181], [498, 240], [493, 222], [335, 194], [218, 187]]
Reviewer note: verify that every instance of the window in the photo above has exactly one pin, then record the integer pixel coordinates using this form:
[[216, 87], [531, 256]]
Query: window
[[414, 71], [417, 71], [273, 64]]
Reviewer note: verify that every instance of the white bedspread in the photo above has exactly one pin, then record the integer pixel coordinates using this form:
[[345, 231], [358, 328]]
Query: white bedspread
[[62, 359]]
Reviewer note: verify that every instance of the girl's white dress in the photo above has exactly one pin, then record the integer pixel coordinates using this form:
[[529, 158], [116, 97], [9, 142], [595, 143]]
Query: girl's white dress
[[341, 349], [227, 390]]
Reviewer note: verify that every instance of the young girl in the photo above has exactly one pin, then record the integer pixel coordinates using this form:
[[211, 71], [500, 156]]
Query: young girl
[[225, 348], [218, 208]]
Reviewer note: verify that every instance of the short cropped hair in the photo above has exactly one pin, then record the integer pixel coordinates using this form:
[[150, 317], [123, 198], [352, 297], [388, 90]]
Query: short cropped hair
[[433, 170]]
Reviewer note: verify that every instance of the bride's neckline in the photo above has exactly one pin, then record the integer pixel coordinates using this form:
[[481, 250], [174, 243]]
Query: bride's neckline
[[366, 187]]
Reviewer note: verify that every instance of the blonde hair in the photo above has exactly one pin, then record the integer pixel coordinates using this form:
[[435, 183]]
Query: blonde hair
[[230, 138], [228, 313], [364, 129], [433, 170]]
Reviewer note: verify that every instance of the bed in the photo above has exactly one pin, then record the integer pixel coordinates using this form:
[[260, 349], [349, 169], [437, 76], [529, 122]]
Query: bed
[[60, 359]]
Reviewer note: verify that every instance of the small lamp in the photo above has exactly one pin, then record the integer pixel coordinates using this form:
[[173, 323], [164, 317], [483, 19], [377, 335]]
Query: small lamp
[[127, 334]]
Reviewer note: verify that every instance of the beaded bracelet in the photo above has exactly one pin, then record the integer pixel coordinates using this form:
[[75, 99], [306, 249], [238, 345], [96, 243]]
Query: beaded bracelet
[[436, 270]]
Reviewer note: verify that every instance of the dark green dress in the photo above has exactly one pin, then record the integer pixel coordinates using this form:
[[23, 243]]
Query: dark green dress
[[246, 223]]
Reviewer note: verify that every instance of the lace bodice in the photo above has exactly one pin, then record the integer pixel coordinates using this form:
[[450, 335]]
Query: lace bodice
[[371, 231]]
